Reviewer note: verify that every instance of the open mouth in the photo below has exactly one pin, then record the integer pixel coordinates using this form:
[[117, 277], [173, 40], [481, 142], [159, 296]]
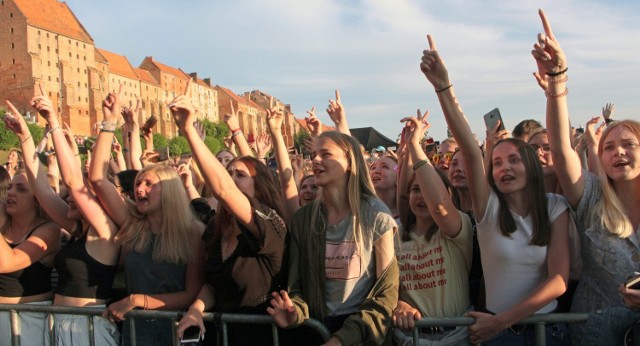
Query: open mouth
[[620, 163], [317, 171], [507, 178], [307, 197]]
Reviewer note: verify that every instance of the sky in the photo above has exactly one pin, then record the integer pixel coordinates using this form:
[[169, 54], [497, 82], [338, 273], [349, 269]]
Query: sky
[[301, 51]]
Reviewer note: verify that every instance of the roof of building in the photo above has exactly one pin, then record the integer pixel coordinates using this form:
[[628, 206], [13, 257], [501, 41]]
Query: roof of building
[[168, 69], [54, 16], [119, 64], [233, 95], [145, 76]]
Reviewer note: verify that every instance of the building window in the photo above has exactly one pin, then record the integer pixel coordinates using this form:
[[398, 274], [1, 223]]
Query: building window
[[47, 34], [14, 76], [13, 61], [78, 86], [76, 44], [11, 30], [11, 15], [49, 78], [48, 63], [48, 49], [13, 45], [39, 46]]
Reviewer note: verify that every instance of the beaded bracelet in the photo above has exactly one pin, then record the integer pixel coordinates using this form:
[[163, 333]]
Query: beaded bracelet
[[564, 93]]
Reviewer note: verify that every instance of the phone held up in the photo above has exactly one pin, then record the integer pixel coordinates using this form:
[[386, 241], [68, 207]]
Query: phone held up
[[149, 124], [492, 118], [163, 154], [191, 335], [633, 282]]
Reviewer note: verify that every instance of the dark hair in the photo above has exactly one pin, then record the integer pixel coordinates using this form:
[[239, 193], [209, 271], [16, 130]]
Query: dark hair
[[409, 218], [525, 127], [266, 192], [534, 189], [127, 180]]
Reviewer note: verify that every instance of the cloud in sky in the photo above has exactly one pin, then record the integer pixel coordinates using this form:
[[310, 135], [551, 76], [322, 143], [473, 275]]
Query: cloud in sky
[[300, 51]]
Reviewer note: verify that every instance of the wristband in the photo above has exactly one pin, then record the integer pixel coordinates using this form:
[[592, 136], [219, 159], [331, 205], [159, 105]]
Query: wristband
[[233, 134], [553, 74], [419, 164], [107, 126], [608, 120], [445, 88], [25, 140], [52, 130], [105, 130], [564, 93]]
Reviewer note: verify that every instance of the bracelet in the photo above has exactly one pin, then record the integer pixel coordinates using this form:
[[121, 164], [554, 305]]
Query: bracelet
[[235, 131], [557, 80], [419, 164], [106, 130], [25, 140], [125, 150], [51, 131], [146, 303], [564, 93], [445, 88], [608, 121], [233, 134], [108, 125], [553, 74]]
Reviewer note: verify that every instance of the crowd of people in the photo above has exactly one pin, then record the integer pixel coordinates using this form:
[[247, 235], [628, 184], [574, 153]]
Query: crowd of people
[[533, 221]]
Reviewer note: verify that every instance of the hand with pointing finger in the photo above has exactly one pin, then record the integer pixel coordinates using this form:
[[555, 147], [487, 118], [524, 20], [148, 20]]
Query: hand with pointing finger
[[433, 67], [547, 51], [337, 114]]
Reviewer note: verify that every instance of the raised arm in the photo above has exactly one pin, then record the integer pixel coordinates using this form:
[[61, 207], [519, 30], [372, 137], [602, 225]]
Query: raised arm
[[552, 61], [231, 119], [52, 204], [435, 194], [434, 69], [130, 115], [217, 178], [287, 182], [105, 190], [338, 115], [71, 173], [592, 137]]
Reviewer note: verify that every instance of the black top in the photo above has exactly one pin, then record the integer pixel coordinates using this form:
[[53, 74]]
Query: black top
[[30, 281], [80, 274]]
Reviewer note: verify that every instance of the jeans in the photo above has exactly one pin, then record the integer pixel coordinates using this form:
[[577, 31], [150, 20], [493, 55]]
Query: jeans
[[605, 326], [556, 334]]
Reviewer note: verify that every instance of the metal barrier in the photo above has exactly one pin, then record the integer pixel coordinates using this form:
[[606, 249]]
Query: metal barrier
[[539, 321], [223, 318]]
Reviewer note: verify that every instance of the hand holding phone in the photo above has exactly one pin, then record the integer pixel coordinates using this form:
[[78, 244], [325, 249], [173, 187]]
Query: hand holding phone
[[633, 282], [191, 334], [492, 118], [163, 154]]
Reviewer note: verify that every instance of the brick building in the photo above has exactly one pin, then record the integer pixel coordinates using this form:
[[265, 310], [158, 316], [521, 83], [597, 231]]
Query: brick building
[[289, 126], [251, 116]]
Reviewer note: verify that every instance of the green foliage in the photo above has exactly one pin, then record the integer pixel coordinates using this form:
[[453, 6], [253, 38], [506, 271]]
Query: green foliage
[[160, 141], [214, 144], [300, 137], [216, 130], [178, 145], [8, 139]]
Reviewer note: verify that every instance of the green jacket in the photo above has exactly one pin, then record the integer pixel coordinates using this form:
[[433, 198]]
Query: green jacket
[[307, 281]]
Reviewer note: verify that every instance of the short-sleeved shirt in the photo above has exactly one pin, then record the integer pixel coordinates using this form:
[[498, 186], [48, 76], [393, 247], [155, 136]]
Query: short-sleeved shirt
[[514, 268], [351, 272], [607, 259], [434, 274]]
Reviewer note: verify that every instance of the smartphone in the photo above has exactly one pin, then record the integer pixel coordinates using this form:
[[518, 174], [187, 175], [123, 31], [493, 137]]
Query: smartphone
[[492, 118], [163, 154], [191, 334], [149, 124], [633, 282]]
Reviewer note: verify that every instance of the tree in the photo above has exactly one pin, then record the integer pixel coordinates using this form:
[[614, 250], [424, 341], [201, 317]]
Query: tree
[[300, 137], [178, 146]]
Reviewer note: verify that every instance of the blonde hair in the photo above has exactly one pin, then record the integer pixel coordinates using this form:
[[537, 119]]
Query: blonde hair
[[359, 186], [610, 209], [176, 235]]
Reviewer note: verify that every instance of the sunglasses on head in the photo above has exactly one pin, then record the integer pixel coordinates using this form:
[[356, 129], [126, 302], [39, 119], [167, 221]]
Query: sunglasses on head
[[446, 156]]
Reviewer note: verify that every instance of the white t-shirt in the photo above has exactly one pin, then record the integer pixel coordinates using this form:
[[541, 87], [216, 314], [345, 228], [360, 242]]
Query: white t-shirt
[[434, 274], [513, 268]]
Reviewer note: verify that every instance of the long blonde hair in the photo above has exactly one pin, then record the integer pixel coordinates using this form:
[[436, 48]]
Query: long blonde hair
[[610, 209], [176, 235], [359, 186]]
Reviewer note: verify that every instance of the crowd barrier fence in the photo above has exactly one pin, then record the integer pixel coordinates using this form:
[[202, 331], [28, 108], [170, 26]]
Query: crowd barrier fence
[[539, 321]]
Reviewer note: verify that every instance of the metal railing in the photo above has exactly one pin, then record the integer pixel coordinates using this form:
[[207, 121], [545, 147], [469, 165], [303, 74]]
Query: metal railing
[[221, 318], [538, 321]]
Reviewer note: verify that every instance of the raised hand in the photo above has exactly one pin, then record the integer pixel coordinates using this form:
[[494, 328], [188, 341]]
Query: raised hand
[[275, 116], [607, 111], [231, 119], [130, 115], [433, 67], [44, 106], [182, 110], [111, 106], [313, 123], [263, 145], [282, 310], [336, 110], [591, 133], [415, 128], [547, 51], [15, 122]]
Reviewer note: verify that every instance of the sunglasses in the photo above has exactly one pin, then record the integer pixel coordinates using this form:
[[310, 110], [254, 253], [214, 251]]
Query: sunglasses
[[545, 147], [446, 157]]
